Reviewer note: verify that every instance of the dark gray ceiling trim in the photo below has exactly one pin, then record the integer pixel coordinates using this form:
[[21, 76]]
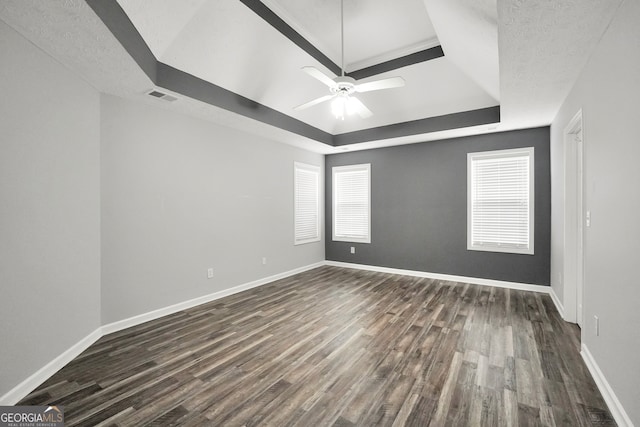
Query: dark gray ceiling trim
[[117, 21], [394, 64], [276, 22], [464, 119], [202, 90]]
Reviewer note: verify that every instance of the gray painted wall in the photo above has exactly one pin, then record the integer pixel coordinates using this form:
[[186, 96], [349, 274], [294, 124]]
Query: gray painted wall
[[49, 209], [608, 92], [180, 195], [419, 209]]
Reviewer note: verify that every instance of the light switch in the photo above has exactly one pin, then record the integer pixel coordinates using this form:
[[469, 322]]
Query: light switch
[[588, 219]]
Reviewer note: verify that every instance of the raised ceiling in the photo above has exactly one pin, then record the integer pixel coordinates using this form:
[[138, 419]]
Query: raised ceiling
[[238, 62], [234, 45]]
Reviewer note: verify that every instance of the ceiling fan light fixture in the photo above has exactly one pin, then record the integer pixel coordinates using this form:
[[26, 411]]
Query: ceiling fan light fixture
[[352, 108], [343, 104], [339, 106]]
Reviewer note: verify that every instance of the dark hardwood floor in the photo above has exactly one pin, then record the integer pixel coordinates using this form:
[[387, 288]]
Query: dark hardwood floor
[[339, 347]]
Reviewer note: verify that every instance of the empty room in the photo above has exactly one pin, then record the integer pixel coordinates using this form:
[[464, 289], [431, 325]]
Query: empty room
[[319, 213]]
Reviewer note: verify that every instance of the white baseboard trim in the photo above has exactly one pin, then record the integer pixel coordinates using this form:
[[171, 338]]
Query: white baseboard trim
[[17, 393], [557, 303], [14, 395], [165, 311], [448, 277], [618, 412]]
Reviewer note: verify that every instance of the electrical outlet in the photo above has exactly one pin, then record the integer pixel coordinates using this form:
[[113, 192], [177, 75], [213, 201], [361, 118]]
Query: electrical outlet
[[210, 273], [264, 260], [353, 249], [596, 325]]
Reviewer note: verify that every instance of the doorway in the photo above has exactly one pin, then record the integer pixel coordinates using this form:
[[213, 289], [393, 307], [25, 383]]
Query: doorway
[[574, 220]]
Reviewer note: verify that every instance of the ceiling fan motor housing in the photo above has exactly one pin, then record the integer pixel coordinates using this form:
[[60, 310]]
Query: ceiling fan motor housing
[[344, 85]]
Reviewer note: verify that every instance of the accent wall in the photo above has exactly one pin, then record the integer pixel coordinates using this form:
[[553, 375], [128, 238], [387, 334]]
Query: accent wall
[[419, 209]]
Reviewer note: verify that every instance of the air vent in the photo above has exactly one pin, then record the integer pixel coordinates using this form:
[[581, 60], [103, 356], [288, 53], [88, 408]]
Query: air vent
[[162, 95]]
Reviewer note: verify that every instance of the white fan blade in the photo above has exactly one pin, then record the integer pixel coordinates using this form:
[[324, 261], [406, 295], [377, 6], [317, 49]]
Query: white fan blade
[[314, 102], [389, 83], [356, 105], [317, 74]]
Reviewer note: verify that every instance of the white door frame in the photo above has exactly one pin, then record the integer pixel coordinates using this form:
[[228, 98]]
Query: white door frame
[[573, 268]]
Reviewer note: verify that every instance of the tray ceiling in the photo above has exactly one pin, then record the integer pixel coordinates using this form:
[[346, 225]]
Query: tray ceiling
[[238, 62], [230, 45]]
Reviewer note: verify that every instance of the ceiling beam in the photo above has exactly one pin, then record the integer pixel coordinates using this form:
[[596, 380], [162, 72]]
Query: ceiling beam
[[118, 22], [394, 64], [464, 119], [188, 85], [278, 23]]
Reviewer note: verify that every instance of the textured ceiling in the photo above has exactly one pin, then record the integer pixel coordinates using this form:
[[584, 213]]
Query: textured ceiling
[[541, 46], [161, 24], [70, 32]]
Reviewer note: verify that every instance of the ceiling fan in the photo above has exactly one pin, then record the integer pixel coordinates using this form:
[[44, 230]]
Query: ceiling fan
[[343, 88]]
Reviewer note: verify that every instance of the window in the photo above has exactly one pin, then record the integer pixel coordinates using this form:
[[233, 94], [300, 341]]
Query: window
[[307, 203], [500, 201], [352, 203]]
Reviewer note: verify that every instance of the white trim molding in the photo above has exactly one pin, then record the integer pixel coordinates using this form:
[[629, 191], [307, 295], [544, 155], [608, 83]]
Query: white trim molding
[[485, 179], [347, 188], [306, 203], [448, 277], [571, 217], [165, 311], [17, 393], [615, 407], [557, 302]]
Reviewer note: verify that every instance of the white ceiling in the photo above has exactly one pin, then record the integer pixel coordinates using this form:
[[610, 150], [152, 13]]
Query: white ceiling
[[523, 55], [457, 22]]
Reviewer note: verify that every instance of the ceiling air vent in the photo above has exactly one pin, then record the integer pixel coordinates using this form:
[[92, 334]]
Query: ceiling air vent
[[162, 95]]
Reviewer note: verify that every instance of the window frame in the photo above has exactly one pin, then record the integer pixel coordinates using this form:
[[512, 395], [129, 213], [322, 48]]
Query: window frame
[[515, 152], [316, 170], [350, 168]]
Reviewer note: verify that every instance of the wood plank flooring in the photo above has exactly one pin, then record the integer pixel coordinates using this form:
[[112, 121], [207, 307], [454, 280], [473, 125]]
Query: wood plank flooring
[[339, 347]]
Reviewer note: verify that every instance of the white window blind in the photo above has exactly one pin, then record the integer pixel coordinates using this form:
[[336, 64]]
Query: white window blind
[[352, 203], [500, 201], [307, 203]]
